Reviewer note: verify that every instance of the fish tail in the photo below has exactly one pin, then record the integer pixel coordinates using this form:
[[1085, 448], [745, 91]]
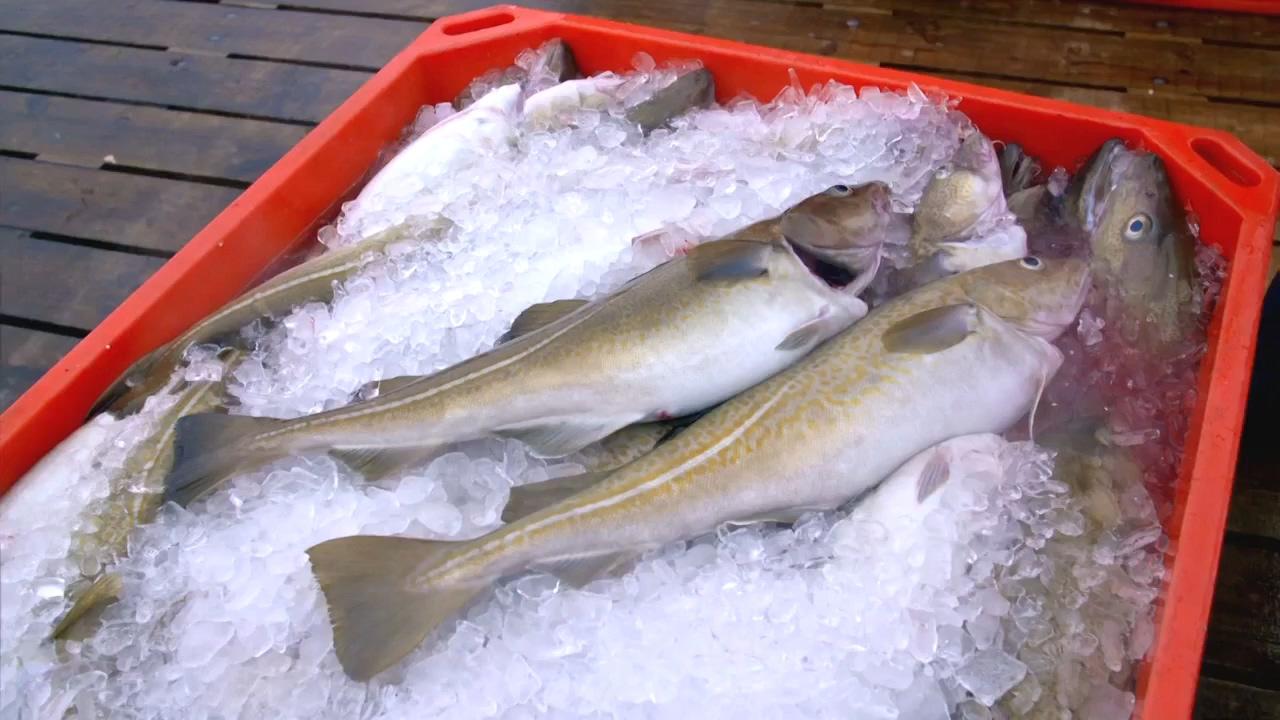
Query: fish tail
[[81, 620], [378, 616], [209, 447], [144, 377]]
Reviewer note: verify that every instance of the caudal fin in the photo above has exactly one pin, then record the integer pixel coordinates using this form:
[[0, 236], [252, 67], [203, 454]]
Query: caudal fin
[[208, 448], [378, 614]]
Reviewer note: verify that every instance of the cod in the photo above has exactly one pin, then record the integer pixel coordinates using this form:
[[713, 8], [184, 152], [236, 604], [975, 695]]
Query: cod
[[966, 354], [681, 338]]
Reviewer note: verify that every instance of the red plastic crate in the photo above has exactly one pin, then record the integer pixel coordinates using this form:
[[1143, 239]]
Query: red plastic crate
[[1231, 189]]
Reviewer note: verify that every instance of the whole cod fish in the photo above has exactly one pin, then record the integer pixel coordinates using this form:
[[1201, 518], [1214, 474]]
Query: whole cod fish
[[678, 339], [1142, 249], [966, 354], [313, 280]]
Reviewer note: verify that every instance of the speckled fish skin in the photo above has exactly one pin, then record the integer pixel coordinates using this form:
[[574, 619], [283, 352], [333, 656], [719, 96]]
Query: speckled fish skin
[[644, 353], [313, 280], [816, 435], [685, 336], [810, 437]]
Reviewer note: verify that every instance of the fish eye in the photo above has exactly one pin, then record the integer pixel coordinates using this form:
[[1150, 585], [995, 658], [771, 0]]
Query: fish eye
[[840, 190], [1031, 262], [1137, 226]]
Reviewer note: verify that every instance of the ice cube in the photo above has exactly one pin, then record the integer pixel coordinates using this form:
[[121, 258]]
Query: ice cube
[[989, 674]]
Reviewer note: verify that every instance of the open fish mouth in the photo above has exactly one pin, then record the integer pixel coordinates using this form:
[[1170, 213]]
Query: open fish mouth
[[834, 275]]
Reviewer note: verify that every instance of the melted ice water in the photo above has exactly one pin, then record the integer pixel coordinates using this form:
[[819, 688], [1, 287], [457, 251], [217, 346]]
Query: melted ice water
[[1007, 595]]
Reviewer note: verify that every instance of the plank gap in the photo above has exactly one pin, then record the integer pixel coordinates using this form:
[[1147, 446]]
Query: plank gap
[[1243, 101], [173, 175], [97, 244], [304, 63], [926, 15], [353, 13], [1257, 542], [910, 67], [163, 106], [17, 154], [87, 41], [42, 326]]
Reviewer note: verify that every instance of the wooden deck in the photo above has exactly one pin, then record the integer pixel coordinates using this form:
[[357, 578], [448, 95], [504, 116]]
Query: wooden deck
[[125, 125]]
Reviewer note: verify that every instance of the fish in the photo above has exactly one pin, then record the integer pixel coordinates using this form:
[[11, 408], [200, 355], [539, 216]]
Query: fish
[[312, 281], [955, 226], [135, 498], [685, 336], [543, 108], [970, 353], [1141, 247], [551, 63], [694, 89], [690, 90], [485, 126]]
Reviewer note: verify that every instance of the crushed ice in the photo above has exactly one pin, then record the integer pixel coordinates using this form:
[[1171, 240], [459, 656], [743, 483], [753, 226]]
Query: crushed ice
[[1010, 594]]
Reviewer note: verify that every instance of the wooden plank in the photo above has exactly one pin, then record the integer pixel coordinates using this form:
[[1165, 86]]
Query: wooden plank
[[1224, 700], [1255, 511], [249, 87], [92, 133], [1254, 125], [25, 355], [67, 285], [256, 32], [952, 40], [1243, 644], [1221, 27], [133, 210]]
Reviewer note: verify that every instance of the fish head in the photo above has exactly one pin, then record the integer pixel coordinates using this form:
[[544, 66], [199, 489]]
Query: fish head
[[958, 197], [1140, 245], [843, 225], [1040, 296]]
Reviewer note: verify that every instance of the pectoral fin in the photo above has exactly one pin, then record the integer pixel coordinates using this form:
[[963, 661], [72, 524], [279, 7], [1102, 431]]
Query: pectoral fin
[[730, 260], [539, 316], [935, 474], [557, 437], [931, 331], [529, 499], [785, 516], [578, 571]]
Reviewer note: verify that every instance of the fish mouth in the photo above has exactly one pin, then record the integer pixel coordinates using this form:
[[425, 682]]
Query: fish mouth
[[833, 275]]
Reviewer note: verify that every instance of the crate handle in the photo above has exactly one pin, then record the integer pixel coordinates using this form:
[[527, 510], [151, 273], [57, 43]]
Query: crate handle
[[474, 22], [1255, 183]]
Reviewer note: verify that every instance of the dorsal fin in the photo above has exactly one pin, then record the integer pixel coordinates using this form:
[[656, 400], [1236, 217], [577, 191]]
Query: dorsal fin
[[539, 316], [730, 259]]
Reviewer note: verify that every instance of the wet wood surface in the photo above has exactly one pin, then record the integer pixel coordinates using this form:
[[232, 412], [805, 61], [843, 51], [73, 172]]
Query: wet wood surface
[[125, 125]]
